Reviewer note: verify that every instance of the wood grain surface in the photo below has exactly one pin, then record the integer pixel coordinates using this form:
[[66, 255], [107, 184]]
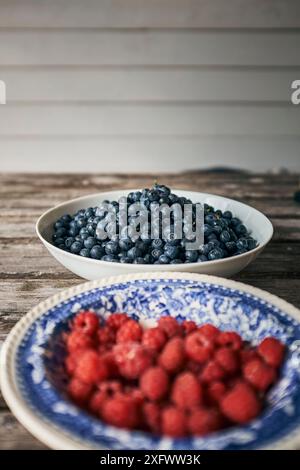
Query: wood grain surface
[[29, 274]]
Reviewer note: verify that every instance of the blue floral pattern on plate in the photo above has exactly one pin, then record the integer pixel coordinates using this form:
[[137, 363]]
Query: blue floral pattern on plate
[[41, 378]]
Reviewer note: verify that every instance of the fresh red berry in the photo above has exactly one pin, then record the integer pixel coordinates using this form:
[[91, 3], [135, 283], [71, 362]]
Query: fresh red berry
[[259, 374], [96, 402], [170, 326], [188, 326], [203, 421], [136, 394], [76, 340], [272, 351], [154, 339], [154, 383], [106, 335], [215, 391], [227, 359], [209, 331], [79, 391], [71, 361], [86, 322], [173, 422], [172, 357], [116, 320], [212, 371], [230, 339], [240, 404], [151, 416], [194, 367], [198, 347], [121, 411], [132, 359], [90, 368], [129, 331], [109, 359], [248, 354], [186, 391]]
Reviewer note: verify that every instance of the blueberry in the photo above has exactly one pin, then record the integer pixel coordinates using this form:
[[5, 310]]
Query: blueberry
[[66, 218], [60, 232], [216, 253], [173, 198], [164, 259], [85, 252], [156, 253], [251, 243], [69, 241], [157, 243], [230, 247], [136, 196], [242, 244], [112, 248], [218, 213], [217, 228], [171, 251], [138, 260], [207, 229], [140, 245], [62, 246], [240, 229], [241, 251], [225, 236], [81, 222], [202, 259], [89, 212], [110, 258], [59, 224], [148, 259], [125, 244], [84, 233], [227, 215], [212, 237], [73, 231], [76, 247], [59, 241], [191, 256], [176, 261], [89, 242], [91, 229], [96, 252], [235, 221], [134, 253]]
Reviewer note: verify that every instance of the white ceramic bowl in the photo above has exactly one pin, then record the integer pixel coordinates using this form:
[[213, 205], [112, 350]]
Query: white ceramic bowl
[[258, 224]]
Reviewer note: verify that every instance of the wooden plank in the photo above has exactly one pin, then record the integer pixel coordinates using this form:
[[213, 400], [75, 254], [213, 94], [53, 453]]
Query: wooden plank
[[153, 13], [14, 437], [151, 84], [147, 154], [148, 47], [145, 120]]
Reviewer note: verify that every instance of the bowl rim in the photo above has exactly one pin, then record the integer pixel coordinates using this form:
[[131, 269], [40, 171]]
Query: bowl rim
[[57, 438], [158, 267]]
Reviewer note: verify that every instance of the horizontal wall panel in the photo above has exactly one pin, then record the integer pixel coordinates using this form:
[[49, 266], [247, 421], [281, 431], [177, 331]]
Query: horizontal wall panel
[[153, 155], [141, 120], [150, 13], [140, 84], [188, 47]]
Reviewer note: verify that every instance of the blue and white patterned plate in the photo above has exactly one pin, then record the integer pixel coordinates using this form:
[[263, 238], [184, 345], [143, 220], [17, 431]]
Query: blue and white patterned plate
[[32, 376]]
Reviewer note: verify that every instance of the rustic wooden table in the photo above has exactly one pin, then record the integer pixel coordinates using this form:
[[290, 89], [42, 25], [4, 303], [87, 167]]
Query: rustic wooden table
[[29, 274]]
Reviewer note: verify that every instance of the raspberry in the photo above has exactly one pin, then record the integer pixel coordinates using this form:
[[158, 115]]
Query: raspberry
[[129, 331], [109, 359], [194, 367], [272, 351], [79, 391], [170, 326], [96, 402], [86, 322], [76, 340], [198, 347], [132, 359], [259, 374], [106, 335], [230, 339], [116, 320], [186, 391], [71, 362], [215, 391], [154, 383], [189, 326], [137, 395], [172, 357], [203, 421], [209, 331], [212, 371], [173, 422], [227, 359], [154, 339], [247, 355], [151, 414], [241, 404], [90, 368], [121, 411]]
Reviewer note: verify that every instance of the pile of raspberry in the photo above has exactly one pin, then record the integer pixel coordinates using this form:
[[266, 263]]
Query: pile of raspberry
[[175, 379]]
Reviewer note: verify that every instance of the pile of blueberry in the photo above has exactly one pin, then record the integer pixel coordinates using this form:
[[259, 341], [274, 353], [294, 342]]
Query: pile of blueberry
[[224, 234]]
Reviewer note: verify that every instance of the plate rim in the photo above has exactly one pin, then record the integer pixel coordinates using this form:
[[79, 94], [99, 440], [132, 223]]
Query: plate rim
[[59, 440]]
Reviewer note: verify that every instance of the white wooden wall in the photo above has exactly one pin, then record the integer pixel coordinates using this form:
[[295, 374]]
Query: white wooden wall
[[149, 85]]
